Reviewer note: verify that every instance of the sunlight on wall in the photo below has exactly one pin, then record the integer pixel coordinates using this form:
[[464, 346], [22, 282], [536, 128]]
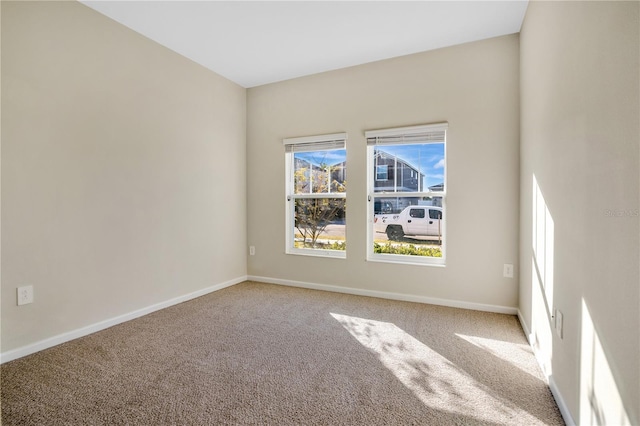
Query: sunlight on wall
[[600, 402], [541, 333], [432, 378], [543, 230], [542, 279]]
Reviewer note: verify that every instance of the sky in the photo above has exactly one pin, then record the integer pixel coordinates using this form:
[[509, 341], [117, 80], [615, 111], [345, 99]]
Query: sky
[[324, 157], [427, 158]]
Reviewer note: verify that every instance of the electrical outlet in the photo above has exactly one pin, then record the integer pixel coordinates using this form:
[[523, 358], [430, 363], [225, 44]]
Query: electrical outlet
[[507, 272], [25, 295], [252, 250], [558, 320]]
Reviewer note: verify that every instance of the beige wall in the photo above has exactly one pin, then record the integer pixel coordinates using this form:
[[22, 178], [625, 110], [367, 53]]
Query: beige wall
[[123, 171], [580, 137], [474, 87]]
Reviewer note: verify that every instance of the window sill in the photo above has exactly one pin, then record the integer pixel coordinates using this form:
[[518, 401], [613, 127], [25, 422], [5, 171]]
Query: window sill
[[407, 260]]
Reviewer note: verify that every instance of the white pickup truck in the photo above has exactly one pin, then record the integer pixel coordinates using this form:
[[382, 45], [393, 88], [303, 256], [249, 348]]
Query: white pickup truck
[[412, 221]]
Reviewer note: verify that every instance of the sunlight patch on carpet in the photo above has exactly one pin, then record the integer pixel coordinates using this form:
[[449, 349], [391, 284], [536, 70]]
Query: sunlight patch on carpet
[[506, 351], [432, 378]]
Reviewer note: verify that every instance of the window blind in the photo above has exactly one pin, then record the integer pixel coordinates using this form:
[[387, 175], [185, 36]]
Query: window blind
[[430, 133], [316, 143]]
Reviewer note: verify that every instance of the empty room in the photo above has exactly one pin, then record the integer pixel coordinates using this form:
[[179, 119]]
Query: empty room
[[356, 213]]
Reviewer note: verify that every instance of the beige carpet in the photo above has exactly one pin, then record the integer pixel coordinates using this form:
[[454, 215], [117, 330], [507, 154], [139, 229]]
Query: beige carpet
[[264, 354]]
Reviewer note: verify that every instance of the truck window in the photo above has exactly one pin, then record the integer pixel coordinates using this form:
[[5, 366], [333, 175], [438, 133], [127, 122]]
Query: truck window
[[417, 213], [435, 214]]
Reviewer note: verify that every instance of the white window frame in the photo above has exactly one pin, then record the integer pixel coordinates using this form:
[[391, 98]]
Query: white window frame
[[430, 133], [328, 142]]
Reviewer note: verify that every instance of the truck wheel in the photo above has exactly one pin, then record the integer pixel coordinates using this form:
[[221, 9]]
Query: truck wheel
[[394, 232]]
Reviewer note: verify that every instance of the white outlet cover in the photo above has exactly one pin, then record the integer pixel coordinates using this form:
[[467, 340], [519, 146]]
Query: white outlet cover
[[508, 270], [559, 323], [25, 295]]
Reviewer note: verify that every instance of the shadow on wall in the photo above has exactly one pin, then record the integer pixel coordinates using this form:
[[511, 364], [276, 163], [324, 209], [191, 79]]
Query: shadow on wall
[[600, 401]]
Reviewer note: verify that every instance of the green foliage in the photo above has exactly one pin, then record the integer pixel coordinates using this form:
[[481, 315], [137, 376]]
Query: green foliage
[[407, 249], [404, 249], [336, 245]]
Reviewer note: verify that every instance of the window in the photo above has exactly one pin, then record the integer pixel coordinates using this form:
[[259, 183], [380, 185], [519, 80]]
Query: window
[[316, 193], [419, 213], [411, 229], [382, 172]]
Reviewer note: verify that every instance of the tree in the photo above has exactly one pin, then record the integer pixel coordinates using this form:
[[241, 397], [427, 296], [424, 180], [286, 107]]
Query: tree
[[313, 215]]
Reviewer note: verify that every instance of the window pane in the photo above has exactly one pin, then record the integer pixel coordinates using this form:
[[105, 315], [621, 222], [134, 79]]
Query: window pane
[[409, 168], [320, 172], [418, 213], [320, 223], [382, 172], [415, 230]]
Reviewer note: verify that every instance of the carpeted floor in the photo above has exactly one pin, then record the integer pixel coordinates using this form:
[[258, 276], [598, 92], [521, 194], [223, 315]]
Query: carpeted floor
[[264, 354]]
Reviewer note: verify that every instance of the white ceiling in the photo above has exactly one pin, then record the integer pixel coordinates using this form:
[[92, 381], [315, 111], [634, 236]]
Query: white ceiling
[[259, 42]]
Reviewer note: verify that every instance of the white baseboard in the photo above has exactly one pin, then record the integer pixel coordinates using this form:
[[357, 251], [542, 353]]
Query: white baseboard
[[564, 410], [388, 295], [84, 331], [562, 405], [523, 324]]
